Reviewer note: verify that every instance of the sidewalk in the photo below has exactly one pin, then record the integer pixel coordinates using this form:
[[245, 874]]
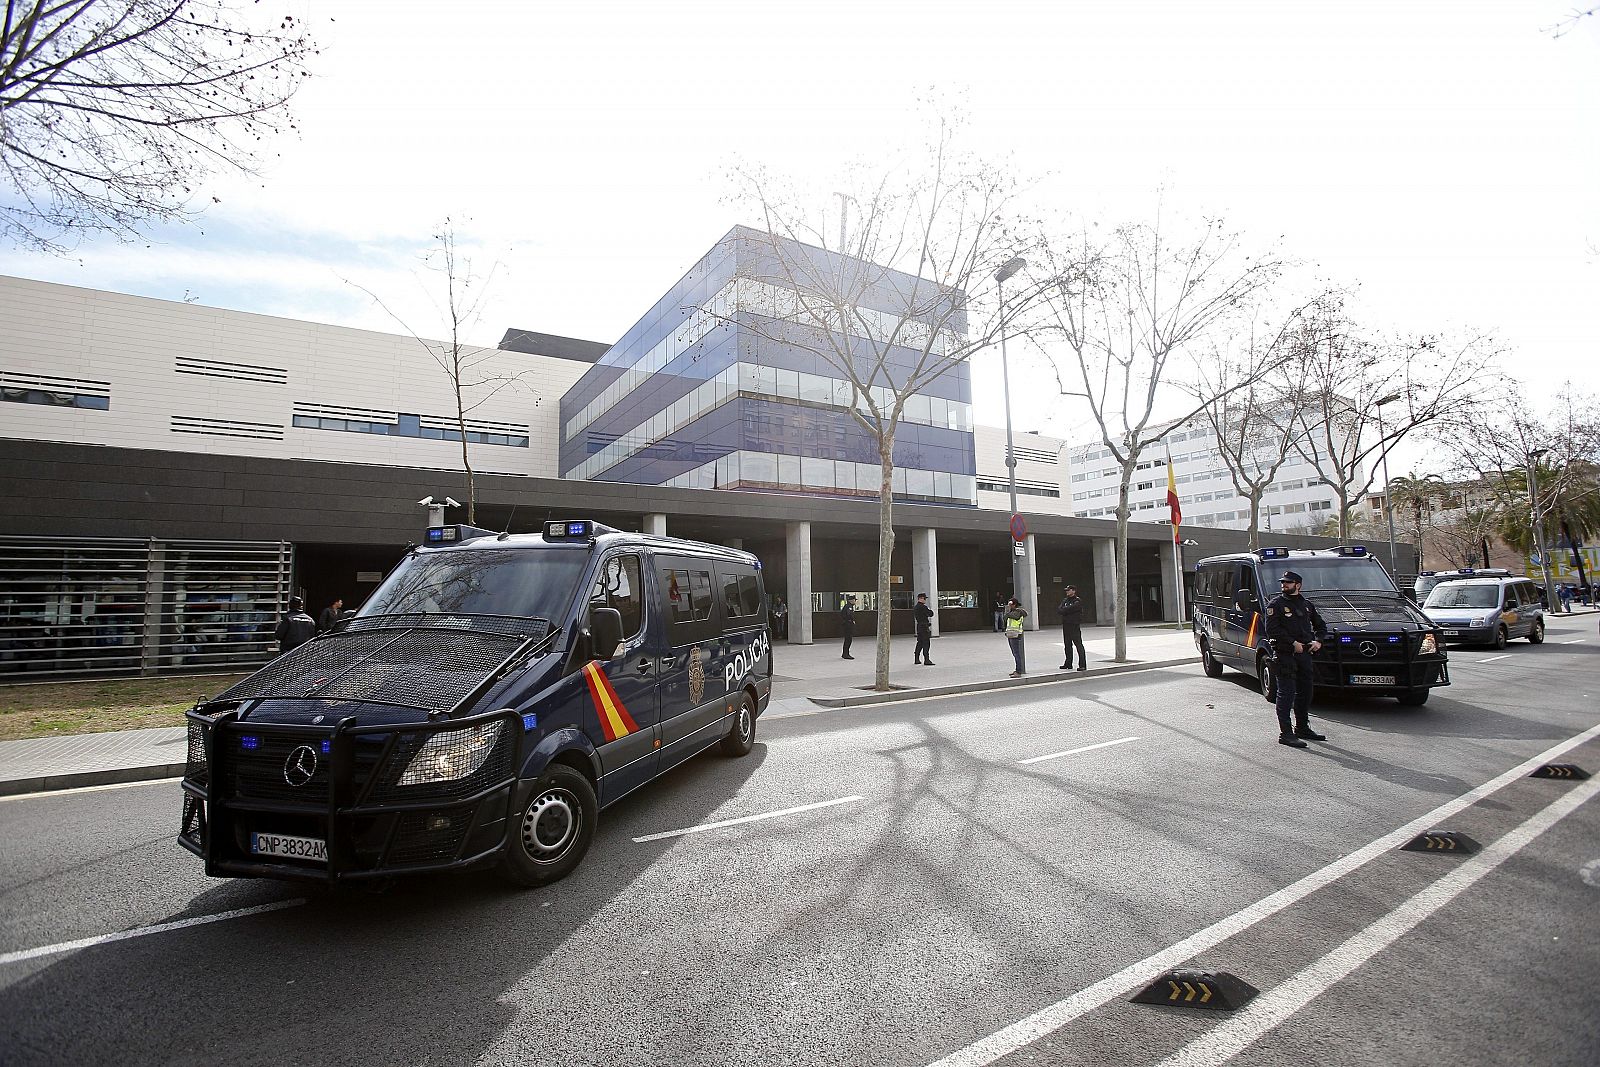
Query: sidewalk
[[809, 678]]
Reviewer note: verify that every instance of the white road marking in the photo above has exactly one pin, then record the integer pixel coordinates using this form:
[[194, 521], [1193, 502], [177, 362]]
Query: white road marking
[[1574, 641], [748, 818], [87, 789], [1272, 1008], [145, 931], [1075, 751], [1491, 659], [1053, 1017]]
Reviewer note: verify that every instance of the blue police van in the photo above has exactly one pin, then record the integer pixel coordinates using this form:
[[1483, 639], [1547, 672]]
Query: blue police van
[[1379, 641], [489, 700]]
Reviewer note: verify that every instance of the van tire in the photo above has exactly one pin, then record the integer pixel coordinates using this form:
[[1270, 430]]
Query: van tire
[[1501, 638], [553, 830], [1536, 635], [741, 736], [1414, 698], [1268, 678], [1209, 662]]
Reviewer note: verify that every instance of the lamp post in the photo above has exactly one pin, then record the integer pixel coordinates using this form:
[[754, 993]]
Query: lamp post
[[1007, 269], [1538, 528], [1388, 509]]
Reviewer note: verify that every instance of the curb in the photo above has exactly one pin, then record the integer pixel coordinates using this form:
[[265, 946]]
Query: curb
[[1058, 678], [51, 783]]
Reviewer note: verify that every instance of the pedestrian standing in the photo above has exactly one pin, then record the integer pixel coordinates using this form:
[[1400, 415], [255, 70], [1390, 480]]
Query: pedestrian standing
[[330, 615], [999, 614], [847, 624], [780, 618], [295, 628], [1296, 630], [1014, 615], [1071, 611], [924, 614]]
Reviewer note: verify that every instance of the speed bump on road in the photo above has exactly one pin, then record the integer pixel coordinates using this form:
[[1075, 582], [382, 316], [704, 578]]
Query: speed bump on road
[[1442, 841], [1570, 771], [1214, 990]]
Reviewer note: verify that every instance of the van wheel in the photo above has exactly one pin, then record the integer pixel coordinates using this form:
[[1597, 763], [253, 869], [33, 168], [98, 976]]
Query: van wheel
[[1501, 638], [1414, 698], [1209, 662], [741, 736], [553, 831], [1269, 679], [1536, 635]]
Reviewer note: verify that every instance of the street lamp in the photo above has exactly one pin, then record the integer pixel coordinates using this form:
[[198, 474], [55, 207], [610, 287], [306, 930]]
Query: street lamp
[[1388, 508], [1007, 269], [1538, 527]]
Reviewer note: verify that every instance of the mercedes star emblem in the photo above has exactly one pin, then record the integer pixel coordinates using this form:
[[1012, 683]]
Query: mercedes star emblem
[[301, 766], [1369, 649]]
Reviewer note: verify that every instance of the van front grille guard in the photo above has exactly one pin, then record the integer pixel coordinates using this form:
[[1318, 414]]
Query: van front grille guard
[[210, 808]]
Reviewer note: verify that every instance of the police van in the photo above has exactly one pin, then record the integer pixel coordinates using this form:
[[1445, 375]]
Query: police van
[[1379, 641], [489, 700], [1427, 581]]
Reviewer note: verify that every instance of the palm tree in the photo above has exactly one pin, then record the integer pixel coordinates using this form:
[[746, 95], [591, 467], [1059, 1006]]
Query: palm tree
[[1417, 495]]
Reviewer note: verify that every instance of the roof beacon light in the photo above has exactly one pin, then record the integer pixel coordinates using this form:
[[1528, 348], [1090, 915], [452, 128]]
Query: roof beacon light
[[1273, 553], [1351, 550]]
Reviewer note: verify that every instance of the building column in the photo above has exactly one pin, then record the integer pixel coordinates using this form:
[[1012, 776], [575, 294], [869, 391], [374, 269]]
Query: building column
[[925, 569], [1030, 581], [798, 560], [1105, 580], [1169, 590], [655, 523], [154, 589]]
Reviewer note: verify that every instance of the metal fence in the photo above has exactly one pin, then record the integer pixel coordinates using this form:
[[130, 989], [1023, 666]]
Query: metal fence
[[89, 606]]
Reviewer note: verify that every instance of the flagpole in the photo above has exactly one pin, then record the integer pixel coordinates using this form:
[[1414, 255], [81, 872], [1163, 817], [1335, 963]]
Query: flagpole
[[1177, 552]]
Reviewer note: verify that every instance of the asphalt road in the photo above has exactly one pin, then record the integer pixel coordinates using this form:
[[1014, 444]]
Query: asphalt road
[[1012, 868]]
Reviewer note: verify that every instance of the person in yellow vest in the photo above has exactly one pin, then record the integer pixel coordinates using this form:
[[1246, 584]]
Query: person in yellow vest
[[1015, 614]]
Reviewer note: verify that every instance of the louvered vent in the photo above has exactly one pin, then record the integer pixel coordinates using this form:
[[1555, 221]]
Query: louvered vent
[[259, 431], [52, 384], [242, 372]]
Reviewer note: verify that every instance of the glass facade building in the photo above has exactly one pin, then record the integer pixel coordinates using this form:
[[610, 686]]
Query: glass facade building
[[702, 393]]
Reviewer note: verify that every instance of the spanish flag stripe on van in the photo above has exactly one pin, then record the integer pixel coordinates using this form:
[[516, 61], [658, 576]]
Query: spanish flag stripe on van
[[615, 721], [1250, 642]]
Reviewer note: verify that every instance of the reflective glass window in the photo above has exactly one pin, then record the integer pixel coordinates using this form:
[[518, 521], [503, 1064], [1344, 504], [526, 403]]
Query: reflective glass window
[[789, 470], [618, 586]]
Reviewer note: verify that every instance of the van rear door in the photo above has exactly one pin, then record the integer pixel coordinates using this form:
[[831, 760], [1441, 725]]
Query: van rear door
[[625, 689], [692, 700]]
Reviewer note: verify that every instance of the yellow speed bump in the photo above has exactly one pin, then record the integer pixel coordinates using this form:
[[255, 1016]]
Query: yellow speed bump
[[1216, 990], [1442, 841], [1570, 771]]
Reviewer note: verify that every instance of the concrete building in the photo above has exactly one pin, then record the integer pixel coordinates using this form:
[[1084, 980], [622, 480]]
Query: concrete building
[[174, 471]]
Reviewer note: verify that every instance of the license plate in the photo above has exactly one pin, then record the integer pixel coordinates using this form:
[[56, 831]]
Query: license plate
[[295, 848], [1452, 633], [1372, 679]]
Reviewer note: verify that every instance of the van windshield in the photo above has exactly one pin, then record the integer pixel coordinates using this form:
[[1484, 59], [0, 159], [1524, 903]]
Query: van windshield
[[534, 583], [1343, 574], [1458, 595]]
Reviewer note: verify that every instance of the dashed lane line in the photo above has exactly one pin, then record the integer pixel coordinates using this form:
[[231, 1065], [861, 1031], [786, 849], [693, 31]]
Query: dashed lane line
[[1075, 751], [1491, 659], [1053, 1017], [1273, 1008], [747, 818], [145, 931]]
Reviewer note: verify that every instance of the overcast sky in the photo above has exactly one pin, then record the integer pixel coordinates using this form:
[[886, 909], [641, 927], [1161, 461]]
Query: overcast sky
[[1445, 157]]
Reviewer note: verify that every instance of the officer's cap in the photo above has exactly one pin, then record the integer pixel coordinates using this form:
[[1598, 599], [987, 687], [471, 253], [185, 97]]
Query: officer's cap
[[1290, 576]]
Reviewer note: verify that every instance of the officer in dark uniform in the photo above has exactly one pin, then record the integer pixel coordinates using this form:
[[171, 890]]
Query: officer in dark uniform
[[847, 624], [924, 616], [1296, 631]]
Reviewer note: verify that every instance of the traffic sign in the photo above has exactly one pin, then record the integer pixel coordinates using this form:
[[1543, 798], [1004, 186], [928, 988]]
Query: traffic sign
[[1019, 529]]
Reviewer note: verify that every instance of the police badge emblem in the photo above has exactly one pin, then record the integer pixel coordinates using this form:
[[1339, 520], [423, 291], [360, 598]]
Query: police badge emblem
[[697, 677]]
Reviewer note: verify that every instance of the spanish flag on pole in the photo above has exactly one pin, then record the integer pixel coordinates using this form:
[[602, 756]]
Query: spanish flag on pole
[[1172, 498]]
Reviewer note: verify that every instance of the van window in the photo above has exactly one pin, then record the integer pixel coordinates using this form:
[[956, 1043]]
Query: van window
[[741, 597], [688, 594], [619, 586], [1247, 581]]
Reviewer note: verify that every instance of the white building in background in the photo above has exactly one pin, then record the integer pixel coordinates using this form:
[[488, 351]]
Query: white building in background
[[1296, 501], [1041, 471]]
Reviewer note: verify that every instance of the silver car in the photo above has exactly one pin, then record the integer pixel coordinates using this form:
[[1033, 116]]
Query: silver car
[[1487, 611]]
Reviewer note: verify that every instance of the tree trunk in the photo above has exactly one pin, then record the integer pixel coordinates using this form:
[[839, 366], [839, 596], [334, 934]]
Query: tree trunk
[[1120, 619], [885, 556], [1255, 520]]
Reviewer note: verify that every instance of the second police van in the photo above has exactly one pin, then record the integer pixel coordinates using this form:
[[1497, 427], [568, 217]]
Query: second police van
[[491, 697], [1379, 641]]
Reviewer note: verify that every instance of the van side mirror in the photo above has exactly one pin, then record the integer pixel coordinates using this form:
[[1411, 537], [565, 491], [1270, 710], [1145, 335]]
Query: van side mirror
[[1246, 597], [1410, 594], [605, 632]]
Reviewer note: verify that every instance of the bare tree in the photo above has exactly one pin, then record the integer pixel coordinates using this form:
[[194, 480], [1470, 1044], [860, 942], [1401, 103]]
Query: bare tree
[[1133, 314], [1254, 424], [477, 374], [905, 294], [112, 111], [1364, 397]]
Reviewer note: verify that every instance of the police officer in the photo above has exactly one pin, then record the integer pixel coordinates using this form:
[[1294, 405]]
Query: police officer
[[295, 628], [924, 616], [1296, 631], [847, 624]]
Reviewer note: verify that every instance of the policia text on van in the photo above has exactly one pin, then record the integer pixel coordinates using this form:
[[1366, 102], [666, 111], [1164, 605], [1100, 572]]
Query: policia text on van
[[493, 695], [1378, 640]]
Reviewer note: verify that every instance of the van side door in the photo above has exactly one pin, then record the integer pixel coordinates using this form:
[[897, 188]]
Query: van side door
[[625, 690], [690, 676]]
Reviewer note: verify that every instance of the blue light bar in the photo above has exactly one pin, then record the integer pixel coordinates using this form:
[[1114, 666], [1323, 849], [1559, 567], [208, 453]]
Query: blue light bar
[[1351, 550], [249, 742], [530, 721], [327, 746], [569, 530], [1346, 640], [1273, 553], [443, 535]]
